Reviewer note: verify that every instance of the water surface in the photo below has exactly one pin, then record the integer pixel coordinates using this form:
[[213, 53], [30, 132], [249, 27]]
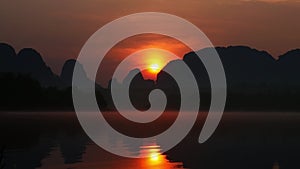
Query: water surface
[[243, 140]]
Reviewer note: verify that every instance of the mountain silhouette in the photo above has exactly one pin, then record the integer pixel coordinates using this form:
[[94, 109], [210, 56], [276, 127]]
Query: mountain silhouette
[[30, 62], [28, 83], [254, 78], [249, 70], [66, 75], [139, 89], [245, 68], [27, 62], [7, 58], [289, 68]]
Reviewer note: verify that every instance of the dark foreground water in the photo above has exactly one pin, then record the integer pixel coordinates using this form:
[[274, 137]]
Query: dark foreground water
[[243, 140]]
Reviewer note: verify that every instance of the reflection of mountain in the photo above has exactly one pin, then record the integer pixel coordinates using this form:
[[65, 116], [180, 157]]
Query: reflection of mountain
[[248, 141], [33, 137], [254, 78]]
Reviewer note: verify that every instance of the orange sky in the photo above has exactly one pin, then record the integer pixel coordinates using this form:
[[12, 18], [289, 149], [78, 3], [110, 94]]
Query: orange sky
[[58, 29], [134, 44]]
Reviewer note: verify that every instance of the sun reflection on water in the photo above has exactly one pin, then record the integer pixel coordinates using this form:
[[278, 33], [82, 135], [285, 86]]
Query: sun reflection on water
[[155, 159], [96, 158]]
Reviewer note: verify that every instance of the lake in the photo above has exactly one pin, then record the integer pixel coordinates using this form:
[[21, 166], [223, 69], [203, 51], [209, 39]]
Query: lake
[[243, 140]]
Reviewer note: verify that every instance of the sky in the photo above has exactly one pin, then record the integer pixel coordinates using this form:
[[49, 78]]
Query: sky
[[59, 29]]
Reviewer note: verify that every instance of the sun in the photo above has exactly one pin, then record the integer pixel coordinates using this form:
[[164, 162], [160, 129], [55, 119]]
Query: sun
[[150, 61], [154, 68]]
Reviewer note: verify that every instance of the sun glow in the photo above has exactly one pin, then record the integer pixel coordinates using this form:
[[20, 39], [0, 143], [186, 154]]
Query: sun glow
[[154, 156], [149, 61], [154, 68], [154, 159], [154, 62]]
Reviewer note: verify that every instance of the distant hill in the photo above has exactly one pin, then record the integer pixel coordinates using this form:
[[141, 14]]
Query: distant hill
[[254, 78], [26, 82], [27, 62], [249, 70]]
